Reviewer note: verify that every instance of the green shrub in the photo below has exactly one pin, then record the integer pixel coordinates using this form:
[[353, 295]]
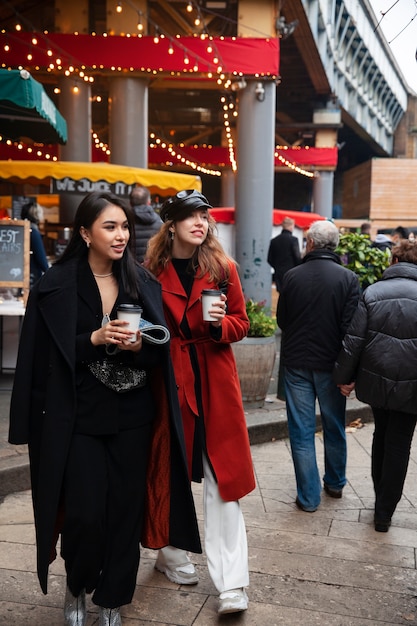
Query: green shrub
[[358, 255]]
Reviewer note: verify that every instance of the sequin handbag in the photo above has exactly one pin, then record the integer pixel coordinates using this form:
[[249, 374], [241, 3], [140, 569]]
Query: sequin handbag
[[118, 376]]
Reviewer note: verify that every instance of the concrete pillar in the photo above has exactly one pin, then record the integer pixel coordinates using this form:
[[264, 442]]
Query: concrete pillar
[[323, 194], [75, 106], [71, 17], [325, 138], [128, 121], [228, 188], [260, 14], [255, 187]]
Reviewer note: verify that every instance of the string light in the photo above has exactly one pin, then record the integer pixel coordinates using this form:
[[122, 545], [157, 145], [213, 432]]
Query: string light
[[140, 24], [177, 156], [290, 165], [189, 7], [39, 151], [119, 7]]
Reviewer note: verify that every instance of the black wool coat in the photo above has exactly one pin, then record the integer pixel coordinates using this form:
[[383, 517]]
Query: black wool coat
[[283, 254], [42, 414]]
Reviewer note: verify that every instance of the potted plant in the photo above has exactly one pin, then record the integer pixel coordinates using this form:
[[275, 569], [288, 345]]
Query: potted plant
[[255, 355], [262, 324]]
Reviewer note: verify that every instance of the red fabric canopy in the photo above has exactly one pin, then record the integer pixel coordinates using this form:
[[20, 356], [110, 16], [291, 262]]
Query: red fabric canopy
[[226, 215], [248, 56], [215, 156]]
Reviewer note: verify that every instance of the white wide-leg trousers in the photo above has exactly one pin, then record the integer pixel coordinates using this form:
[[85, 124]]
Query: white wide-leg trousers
[[225, 539]]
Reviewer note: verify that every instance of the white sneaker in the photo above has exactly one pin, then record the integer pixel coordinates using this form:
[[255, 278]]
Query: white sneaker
[[183, 574], [233, 601]]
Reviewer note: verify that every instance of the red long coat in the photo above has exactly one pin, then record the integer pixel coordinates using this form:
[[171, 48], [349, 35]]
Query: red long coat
[[227, 437]]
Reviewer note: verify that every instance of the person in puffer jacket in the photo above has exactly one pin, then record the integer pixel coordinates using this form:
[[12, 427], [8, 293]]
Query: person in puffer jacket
[[379, 360], [147, 221]]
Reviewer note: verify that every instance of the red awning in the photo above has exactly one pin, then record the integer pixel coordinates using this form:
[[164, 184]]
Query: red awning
[[215, 156], [248, 56], [226, 215], [218, 155]]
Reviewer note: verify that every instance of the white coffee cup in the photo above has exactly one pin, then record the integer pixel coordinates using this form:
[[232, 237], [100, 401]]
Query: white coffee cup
[[131, 313], [208, 297]]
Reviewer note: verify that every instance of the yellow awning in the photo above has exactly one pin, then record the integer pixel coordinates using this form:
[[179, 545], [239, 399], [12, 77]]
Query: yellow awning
[[41, 172]]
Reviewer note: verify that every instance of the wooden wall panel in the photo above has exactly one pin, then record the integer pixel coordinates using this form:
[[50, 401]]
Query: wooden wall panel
[[394, 189], [357, 191]]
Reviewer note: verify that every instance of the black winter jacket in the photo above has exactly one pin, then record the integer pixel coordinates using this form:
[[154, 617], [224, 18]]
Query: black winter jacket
[[283, 255], [315, 307], [380, 348], [147, 224]]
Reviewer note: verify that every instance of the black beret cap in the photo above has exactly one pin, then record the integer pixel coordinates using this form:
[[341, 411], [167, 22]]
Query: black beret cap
[[183, 204]]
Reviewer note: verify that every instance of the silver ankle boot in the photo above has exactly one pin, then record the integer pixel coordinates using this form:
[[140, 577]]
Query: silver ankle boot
[[74, 609], [110, 617]]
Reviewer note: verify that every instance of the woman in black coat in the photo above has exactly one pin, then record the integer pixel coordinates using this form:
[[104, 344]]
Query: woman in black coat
[[379, 359], [108, 466]]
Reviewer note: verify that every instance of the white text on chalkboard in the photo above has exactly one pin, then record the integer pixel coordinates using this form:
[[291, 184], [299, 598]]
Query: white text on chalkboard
[[7, 235]]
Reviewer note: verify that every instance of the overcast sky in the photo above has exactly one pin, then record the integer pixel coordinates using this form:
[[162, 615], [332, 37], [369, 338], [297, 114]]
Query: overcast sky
[[399, 26]]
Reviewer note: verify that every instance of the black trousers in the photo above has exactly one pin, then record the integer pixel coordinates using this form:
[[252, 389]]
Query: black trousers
[[104, 493], [391, 445]]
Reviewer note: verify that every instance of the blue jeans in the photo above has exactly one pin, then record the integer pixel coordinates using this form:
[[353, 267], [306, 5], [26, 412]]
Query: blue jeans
[[302, 388]]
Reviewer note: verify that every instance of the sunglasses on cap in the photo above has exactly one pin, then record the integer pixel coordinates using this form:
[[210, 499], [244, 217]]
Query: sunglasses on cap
[[182, 204]]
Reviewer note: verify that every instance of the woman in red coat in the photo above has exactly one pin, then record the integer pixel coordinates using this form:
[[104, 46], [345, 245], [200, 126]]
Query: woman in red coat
[[186, 257]]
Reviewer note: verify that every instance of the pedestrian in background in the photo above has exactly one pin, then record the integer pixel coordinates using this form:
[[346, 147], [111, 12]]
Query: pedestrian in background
[[99, 410], [379, 359], [147, 221], [284, 252], [187, 258], [315, 307], [366, 229], [38, 260]]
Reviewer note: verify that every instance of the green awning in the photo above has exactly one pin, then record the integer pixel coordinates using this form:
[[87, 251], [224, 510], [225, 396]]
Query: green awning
[[26, 111]]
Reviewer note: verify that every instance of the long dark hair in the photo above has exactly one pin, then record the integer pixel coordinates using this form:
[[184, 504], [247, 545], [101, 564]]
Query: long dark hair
[[88, 211]]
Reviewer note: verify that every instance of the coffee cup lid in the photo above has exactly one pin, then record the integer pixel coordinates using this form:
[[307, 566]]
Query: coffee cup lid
[[210, 292], [130, 308]]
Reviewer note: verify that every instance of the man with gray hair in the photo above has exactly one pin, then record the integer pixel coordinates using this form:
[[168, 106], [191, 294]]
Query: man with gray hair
[[284, 251], [316, 304]]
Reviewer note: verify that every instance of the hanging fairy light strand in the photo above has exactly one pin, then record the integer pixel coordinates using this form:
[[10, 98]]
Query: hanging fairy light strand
[[291, 165], [177, 155]]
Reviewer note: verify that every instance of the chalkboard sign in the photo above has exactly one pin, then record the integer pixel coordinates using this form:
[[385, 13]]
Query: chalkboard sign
[[14, 255]]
